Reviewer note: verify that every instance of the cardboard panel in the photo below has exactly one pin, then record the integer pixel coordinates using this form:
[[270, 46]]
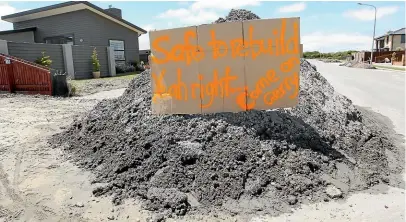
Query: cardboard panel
[[273, 36], [175, 87], [169, 45], [223, 81], [263, 56], [222, 36], [271, 81]]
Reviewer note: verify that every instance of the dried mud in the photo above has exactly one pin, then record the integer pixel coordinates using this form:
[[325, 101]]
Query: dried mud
[[256, 161]]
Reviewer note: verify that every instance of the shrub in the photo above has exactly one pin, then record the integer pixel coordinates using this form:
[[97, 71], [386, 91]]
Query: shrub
[[124, 68], [44, 60], [394, 56], [95, 61], [72, 89]]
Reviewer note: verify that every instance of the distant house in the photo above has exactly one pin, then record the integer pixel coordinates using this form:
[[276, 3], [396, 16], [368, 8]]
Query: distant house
[[391, 41], [76, 23], [144, 55]]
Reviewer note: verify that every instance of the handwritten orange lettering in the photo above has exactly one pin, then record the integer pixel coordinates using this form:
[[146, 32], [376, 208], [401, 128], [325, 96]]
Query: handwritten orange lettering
[[282, 37], [194, 86], [156, 47], [219, 47], [158, 81], [288, 65], [253, 44], [218, 87], [178, 53], [237, 45], [294, 40], [241, 100], [271, 97]]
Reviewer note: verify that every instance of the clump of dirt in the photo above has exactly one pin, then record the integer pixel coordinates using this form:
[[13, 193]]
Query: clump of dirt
[[180, 163]]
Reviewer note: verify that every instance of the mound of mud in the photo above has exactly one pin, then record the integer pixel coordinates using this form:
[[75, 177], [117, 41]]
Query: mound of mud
[[363, 65], [355, 64], [319, 150], [238, 15]]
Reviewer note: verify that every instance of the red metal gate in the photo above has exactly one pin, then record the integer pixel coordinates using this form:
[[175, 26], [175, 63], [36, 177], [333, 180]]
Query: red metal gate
[[17, 75]]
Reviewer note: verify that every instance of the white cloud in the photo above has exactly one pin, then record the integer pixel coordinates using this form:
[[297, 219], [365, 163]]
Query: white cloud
[[190, 17], [332, 42], [297, 7], [223, 5], [6, 9], [169, 24], [367, 14], [143, 40], [204, 11]]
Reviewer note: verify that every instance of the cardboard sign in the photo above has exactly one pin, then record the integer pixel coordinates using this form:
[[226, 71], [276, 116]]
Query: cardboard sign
[[226, 67]]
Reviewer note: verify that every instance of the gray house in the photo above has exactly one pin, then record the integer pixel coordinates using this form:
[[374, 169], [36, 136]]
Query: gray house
[[77, 23]]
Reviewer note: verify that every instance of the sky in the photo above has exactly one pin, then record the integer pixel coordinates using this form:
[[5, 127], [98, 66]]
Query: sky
[[324, 26]]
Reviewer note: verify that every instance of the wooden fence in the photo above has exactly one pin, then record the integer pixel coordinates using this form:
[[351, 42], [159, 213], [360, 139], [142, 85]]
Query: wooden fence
[[380, 57], [17, 75]]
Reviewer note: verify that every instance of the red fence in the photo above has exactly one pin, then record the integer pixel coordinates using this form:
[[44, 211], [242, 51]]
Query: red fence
[[17, 75]]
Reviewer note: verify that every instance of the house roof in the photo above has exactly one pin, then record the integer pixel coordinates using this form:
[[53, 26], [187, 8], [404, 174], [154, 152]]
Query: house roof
[[68, 7], [145, 51], [397, 32], [18, 30]]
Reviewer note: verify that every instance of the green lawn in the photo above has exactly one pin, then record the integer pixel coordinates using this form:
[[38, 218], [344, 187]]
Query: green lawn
[[389, 67]]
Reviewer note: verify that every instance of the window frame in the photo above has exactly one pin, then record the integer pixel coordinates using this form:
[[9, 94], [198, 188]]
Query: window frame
[[65, 36], [402, 37], [119, 50]]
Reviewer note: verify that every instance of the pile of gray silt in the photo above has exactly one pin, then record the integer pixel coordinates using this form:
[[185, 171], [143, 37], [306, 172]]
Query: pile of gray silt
[[238, 15], [256, 161], [178, 164]]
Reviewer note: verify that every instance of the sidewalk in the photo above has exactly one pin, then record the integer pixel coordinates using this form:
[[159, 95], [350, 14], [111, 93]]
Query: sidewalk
[[389, 66]]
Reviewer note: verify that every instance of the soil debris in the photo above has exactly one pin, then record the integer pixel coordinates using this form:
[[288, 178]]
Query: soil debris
[[213, 158], [238, 15], [238, 162]]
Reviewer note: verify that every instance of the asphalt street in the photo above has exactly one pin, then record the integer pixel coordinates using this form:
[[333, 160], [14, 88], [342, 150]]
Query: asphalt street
[[381, 90]]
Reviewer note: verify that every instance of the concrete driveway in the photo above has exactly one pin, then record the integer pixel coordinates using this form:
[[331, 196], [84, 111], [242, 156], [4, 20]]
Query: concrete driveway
[[381, 90]]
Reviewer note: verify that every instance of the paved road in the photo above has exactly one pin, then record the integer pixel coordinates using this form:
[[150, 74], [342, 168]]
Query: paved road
[[384, 92], [381, 90]]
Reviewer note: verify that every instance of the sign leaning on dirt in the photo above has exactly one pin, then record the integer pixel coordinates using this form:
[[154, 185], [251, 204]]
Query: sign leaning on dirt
[[226, 67]]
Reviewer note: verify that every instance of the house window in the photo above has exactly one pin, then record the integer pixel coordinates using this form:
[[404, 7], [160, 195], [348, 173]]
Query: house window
[[66, 39], [119, 50], [402, 38], [381, 44]]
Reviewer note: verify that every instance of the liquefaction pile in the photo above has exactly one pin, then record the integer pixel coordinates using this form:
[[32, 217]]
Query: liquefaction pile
[[255, 160], [319, 150]]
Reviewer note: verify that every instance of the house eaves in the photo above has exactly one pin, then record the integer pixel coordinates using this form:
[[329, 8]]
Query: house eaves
[[18, 30], [397, 32], [69, 7]]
